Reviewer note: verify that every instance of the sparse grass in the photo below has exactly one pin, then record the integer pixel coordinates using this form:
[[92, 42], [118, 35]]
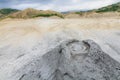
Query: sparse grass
[[80, 13], [48, 15]]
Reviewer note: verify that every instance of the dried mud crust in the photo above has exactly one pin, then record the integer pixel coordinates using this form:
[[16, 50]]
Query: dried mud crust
[[72, 60]]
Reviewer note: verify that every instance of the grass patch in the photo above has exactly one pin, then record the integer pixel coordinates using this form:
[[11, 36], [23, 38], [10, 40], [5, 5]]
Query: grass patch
[[48, 15]]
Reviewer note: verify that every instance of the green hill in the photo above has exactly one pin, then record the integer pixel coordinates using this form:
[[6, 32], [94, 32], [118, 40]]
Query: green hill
[[6, 11], [110, 8]]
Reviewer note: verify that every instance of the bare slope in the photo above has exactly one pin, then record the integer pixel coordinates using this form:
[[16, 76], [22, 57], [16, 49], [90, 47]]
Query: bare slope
[[93, 15], [111, 11], [31, 13]]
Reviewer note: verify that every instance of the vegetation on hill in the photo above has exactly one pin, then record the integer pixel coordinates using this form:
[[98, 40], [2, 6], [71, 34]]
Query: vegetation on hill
[[49, 15], [7, 11], [111, 11], [110, 8]]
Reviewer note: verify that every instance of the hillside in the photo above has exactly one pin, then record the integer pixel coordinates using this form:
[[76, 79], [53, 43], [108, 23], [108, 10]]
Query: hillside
[[108, 11], [110, 8], [111, 11], [32, 13], [7, 11]]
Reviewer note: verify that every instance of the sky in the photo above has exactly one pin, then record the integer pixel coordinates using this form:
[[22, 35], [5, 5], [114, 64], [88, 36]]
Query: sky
[[57, 5]]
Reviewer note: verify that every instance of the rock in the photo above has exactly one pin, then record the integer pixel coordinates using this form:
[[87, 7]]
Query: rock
[[70, 60]]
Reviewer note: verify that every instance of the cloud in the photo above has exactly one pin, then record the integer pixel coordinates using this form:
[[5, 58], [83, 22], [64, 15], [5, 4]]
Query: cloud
[[58, 5], [82, 4]]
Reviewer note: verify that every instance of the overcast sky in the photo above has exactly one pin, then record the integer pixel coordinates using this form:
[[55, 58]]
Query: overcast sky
[[57, 5]]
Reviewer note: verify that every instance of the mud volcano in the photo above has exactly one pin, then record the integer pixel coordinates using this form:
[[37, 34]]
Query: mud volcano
[[70, 60]]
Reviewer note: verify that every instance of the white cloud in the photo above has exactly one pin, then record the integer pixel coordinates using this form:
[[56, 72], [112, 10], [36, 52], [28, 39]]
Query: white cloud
[[26, 5], [85, 5], [75, 1], [66, 5]]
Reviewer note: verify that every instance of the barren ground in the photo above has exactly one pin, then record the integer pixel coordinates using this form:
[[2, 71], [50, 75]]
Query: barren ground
[[27, 35]]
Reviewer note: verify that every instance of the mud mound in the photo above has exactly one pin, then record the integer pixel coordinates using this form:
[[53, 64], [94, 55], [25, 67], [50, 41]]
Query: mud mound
[[71, 60]]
